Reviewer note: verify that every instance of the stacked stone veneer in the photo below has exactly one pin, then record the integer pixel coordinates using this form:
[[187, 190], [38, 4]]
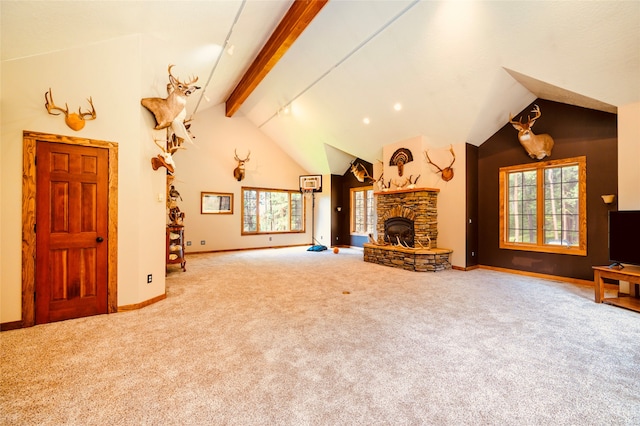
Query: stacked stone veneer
[[419, 260], [421, 206]]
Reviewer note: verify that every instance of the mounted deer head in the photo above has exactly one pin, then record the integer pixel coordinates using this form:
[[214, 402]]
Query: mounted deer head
[[166, 158], [74, 121], [171, 111], [360, 172], [537, 146], [238, 172], [447, 172]]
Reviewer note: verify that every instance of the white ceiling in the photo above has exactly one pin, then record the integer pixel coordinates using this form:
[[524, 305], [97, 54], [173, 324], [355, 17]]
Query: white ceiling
[[459, 68]]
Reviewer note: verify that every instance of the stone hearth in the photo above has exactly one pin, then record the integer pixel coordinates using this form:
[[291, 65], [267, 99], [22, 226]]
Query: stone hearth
[[419, 260], [419, 205]]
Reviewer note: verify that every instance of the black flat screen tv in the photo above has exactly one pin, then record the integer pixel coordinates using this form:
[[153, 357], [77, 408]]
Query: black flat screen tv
[[624, 237]]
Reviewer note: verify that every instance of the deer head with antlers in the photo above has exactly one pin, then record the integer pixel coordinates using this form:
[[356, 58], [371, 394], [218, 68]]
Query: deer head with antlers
[[74, 121], [447, 172], [360, 172], [238, 172], [171, 111], [165, 159], [537, 146]]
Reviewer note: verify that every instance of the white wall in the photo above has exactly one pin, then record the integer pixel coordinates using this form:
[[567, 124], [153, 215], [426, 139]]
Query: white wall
[[629, 157], [323, 213], [452, 202], [628, 162], [207, 166], [109, 73]]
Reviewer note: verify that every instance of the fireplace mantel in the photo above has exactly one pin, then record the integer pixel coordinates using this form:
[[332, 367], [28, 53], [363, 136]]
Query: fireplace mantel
[[405, 190]]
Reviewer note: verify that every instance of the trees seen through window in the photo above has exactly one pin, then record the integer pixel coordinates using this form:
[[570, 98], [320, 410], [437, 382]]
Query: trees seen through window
[[543, 206]]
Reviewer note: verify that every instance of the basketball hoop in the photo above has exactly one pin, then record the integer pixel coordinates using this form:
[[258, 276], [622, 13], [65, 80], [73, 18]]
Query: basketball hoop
[[308, 192]]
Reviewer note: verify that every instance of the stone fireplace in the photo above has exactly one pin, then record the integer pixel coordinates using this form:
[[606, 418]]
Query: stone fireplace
[[407, 229]]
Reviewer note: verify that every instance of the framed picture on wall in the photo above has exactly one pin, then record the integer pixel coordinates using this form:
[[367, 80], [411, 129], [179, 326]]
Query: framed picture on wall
[[216, 203]]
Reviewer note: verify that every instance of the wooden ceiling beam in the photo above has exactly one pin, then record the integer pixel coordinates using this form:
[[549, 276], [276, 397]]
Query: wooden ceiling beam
[[294, 22]]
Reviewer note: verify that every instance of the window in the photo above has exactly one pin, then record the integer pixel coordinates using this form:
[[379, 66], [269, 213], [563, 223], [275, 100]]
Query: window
[[543, 207], [362, 210], [269, 211]]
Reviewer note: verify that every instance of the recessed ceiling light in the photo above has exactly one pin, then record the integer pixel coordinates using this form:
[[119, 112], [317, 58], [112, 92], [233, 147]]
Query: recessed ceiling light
[[397, 106]]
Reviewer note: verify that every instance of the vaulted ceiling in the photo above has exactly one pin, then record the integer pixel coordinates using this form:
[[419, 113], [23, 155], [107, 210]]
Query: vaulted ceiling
[[456, 68]]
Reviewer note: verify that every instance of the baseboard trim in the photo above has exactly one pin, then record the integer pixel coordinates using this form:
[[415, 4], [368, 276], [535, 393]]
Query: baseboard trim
[[141, 305], [462, 268], [244, 249], [545, 276], [13, 325]]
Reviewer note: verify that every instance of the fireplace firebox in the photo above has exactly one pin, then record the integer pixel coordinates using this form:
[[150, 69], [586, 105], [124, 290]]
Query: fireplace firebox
[[399, 230]]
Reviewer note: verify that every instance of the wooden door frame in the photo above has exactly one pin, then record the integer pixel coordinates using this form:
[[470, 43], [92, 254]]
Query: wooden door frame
[[29, 142]]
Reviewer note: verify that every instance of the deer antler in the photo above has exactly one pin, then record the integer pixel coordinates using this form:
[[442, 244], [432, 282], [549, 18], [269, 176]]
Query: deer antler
[[50, 105], [159, 146], [171, 75], [530, 121], [73, 120], [174, 143], [447, 172], [453, 154], [189, 83], [512, 121], [537, 112], [91, 113], [426, 154], [240, 160]]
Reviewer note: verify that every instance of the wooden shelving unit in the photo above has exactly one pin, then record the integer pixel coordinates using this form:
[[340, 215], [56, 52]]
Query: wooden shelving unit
[[628, 273], [627, 302], [175, 247]]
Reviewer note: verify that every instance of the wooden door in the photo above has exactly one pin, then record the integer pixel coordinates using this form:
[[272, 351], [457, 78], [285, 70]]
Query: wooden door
[[71, 231]]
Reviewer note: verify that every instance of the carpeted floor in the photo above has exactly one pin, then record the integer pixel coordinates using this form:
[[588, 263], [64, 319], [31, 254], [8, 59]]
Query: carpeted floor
[[291, 337]]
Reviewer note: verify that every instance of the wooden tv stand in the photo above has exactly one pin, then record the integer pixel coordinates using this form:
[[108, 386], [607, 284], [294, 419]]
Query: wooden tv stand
[[628, 273]]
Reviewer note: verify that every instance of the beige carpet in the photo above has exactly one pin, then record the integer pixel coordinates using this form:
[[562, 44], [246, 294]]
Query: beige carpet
[[290, 337]]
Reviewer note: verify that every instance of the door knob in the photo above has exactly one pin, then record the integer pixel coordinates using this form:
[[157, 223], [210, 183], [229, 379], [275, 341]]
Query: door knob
[[99, 239]]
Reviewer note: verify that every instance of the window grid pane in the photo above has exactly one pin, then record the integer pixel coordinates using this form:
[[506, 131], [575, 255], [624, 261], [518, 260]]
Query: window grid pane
[[274, 211], [249, 220], [522, 207], [359, 212], [561, 206], [370, 211], [296, 211]]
